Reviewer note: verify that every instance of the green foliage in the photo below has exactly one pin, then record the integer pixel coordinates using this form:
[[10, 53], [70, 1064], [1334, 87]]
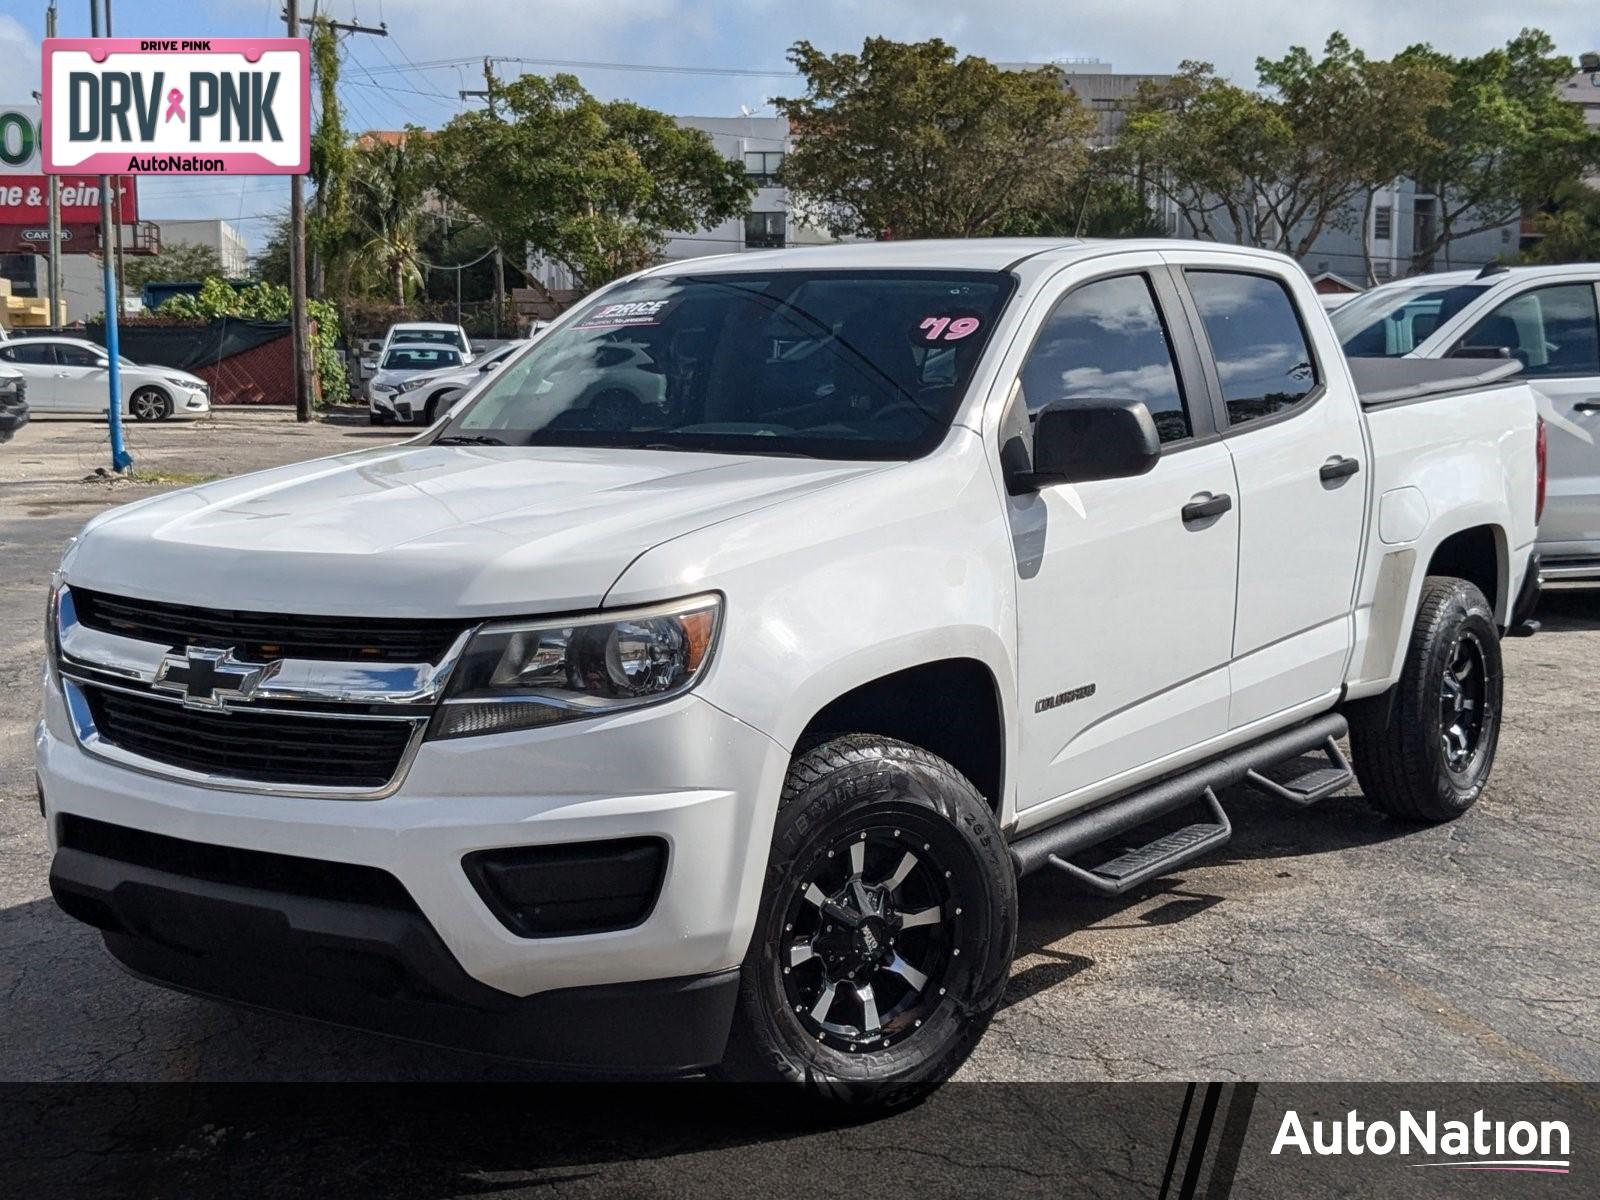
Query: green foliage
[[179, 262], [270, 302], [593, 185], [271, 265], [328, 224], [1277, 167], [904, 140], [392, 180], [1100, 203], [1503, 140], [1569, 228]]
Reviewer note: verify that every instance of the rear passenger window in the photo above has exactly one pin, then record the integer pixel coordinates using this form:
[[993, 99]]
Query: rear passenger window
[[1256, 338], [37, 354], [1550, 331], [1105, 341]]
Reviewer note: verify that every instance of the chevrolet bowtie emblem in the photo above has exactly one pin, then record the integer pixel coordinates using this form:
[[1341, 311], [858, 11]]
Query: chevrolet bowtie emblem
[[208, 678]]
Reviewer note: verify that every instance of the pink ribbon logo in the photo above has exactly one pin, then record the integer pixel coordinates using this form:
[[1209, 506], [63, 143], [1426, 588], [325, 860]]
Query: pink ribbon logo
[[175, 105]]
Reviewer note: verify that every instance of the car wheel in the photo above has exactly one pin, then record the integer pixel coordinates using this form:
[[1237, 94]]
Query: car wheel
[[887, 925], [150, 404], [436, 404], [1424, 754]]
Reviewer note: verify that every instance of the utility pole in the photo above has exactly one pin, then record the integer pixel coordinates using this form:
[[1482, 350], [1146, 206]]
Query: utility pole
[[121, 460], [53, 266], [298, 332], [116, 226]]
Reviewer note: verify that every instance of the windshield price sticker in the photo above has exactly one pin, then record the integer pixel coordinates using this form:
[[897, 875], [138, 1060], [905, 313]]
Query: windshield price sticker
[[627, 314], [951, 327]]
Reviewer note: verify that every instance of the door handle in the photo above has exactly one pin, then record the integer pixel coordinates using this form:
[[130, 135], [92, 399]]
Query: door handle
[[1203, 510], [1587, 406], [1338, 468]]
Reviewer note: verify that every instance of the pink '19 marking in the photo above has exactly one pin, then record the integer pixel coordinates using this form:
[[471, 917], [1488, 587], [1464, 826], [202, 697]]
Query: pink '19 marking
[[943, 328]]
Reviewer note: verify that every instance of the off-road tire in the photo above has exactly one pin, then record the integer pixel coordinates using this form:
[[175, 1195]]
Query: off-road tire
[[1398, 741], [841, 789]]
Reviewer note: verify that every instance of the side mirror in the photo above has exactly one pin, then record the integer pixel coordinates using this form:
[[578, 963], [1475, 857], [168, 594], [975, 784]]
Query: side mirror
[[1089, 440], [487, 367], [369, 364], [102, 363]]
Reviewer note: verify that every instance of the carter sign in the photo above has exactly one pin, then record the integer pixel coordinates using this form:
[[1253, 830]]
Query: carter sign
[[208, 106]]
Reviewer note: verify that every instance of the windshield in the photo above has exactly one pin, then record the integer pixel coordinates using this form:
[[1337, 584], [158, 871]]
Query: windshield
[[1391, 322], [419, 359], [435, 336], [827, 364]]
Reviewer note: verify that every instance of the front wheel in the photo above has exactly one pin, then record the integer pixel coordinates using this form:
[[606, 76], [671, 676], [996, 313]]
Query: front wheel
[[886, 931], [1425, 753], [150, 404]]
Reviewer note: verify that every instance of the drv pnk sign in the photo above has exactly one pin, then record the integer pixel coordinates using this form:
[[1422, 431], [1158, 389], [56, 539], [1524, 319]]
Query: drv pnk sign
[[168, 106]]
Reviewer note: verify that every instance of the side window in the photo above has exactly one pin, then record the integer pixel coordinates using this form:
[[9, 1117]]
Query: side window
[[38, 354], [75, 356], [1551, 331], [1106, 341], [1260, 348]]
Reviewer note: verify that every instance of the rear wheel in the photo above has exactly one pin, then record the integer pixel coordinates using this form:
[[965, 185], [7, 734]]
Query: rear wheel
[[886, 930], [1425, 753], [150, 404]]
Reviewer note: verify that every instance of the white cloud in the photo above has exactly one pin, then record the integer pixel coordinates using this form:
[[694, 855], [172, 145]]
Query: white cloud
[[20, 63]]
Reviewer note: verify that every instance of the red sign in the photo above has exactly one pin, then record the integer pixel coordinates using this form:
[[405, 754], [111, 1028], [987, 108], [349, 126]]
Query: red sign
[[25, 199]]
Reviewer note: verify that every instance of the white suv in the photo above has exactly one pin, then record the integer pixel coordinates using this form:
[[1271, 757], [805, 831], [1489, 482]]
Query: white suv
[[1548, 320]]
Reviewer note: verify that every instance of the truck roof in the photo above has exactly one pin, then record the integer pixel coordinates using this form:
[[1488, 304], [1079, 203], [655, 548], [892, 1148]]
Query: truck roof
[[973, 254]]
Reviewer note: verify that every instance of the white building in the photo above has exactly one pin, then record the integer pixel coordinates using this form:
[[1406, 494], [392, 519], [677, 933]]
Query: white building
[[232, 251]]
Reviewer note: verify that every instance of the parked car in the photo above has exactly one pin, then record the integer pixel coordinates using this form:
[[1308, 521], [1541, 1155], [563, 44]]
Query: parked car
[[412, 333], [401, 364], [13, 402], [1544, 318], [717, 732], [69, 375], [427, 396]]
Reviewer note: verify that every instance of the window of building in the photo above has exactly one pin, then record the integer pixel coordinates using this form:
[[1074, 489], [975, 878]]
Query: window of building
[[1382, 223], [1106, 341], [762, 166], [1257, 340], [766, 230], [1550, 331]]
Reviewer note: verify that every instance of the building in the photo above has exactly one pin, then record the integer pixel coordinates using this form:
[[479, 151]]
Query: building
[[219, 235], [1103, 90], [1583, 89]]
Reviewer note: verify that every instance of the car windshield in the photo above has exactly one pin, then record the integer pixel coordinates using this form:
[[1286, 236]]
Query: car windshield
[[420, 359], [827, 364], [1394, 321]]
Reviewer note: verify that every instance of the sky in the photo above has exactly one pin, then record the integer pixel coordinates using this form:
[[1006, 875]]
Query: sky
[[728, 55]]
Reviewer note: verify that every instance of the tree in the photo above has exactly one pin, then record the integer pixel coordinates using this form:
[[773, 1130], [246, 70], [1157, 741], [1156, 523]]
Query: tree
[[1504, 140], [904, 140], [1101, 203], [271, 265], [596, 186], [180, 262], [331, 159], [1569, 227], [393, 176], [1278, 167]]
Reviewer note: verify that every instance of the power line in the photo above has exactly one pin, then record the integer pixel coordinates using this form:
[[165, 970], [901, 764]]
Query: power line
[[441, 64]]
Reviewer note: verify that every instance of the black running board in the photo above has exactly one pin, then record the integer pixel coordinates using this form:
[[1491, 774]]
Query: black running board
[[1312, 786], [1127, 871], [1034, 851]]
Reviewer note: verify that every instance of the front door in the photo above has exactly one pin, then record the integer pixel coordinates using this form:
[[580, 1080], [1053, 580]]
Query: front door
[[81, 380], [1125, 607], [1554, 331]]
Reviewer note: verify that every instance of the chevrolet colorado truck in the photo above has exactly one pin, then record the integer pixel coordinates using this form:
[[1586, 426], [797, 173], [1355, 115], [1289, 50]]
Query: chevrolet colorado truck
[[710, 722]]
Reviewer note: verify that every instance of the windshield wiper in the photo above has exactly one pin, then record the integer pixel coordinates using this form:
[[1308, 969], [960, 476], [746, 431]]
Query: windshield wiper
[[472, 439]]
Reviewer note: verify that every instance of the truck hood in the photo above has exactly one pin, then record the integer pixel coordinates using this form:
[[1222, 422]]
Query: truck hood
[[421, 530]]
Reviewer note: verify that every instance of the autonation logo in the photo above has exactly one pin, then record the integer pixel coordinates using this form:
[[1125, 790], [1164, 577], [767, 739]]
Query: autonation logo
[[1476, 1145]]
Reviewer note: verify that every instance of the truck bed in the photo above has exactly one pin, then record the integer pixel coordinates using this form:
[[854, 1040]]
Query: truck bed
[[1381, 381]]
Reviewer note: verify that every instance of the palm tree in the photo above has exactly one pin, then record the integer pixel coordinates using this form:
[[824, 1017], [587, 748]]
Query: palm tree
[[391, 180]]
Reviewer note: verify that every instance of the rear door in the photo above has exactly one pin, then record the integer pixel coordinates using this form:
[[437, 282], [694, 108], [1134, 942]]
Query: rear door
[[1125, 607], [1299, 452], [37, 363], [1554, 331]]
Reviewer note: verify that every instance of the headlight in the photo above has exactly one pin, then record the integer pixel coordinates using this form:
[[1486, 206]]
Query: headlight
[[193, 385], [526, 674], [384, 388], [407, 384]]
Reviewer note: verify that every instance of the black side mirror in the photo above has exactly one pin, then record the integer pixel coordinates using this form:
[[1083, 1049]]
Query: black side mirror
[[1095, 439]]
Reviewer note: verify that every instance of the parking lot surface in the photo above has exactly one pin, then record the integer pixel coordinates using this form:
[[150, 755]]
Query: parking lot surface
[[1325, 944]]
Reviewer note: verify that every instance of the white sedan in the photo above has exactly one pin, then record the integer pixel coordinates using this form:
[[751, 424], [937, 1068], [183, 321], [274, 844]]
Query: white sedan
[[68, 376]]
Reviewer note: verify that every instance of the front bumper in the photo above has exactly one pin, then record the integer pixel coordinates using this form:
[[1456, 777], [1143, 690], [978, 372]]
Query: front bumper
[[683, 771]]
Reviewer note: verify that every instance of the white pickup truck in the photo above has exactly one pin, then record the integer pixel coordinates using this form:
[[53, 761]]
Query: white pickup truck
[[712, 723]]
